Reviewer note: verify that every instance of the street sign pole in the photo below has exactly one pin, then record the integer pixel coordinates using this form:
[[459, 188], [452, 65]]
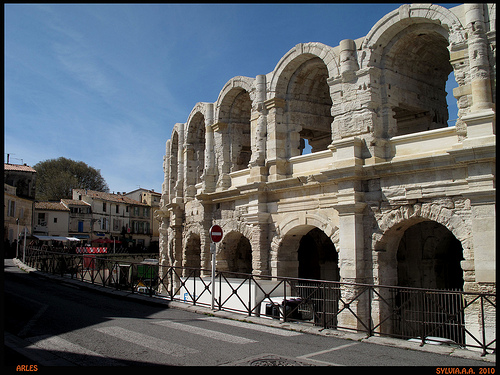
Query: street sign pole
[[215, 235], [212, 251]]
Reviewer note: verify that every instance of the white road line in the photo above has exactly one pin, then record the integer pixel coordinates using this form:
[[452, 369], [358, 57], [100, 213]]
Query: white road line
[[74, 353], [255, 327], [308, 356], [147, 341], [205, 332]]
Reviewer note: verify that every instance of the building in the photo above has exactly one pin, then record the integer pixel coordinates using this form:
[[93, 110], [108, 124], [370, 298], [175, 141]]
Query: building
[[152, 199], [389, 194], [23, 177], [17, 219], [115, 216], [51, 219], [80, 218], [19, 197]]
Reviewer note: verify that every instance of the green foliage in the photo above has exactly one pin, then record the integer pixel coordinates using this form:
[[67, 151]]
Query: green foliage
[[57, 177]]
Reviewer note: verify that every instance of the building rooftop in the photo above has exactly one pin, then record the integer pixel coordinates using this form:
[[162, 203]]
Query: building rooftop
[[18, 167], [74, 202], [117, 198], [52, 206]]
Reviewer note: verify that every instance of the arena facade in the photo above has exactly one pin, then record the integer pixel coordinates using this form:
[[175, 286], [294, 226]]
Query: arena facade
[[389, 193]]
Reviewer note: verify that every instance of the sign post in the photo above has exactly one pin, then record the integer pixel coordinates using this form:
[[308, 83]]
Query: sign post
[[215, 235]]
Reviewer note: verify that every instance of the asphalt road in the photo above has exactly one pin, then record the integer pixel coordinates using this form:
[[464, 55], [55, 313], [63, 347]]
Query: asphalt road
[[53, 323]]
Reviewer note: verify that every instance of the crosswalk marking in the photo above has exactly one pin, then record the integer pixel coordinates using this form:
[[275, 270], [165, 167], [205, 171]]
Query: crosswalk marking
[[147, 341], [255, 327], [205, 332], [74, 353]]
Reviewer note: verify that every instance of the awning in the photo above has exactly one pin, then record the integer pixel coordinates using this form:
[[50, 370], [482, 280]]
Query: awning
[[56, 238]]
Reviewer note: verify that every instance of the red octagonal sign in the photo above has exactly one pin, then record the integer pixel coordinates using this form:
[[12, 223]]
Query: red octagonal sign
[[216, 233]]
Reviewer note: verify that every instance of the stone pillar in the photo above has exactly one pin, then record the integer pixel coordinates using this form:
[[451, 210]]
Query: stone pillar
[[348, 60], [258, 217], [209, 174], [165, 187], [481, 119], [222, 147], [276, 139], [205, 241], [352, 257], [258, 171], [179, 185], [478, 57]]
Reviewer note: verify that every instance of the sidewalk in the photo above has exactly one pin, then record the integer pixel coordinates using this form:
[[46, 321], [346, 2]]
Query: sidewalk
[[490, 359]]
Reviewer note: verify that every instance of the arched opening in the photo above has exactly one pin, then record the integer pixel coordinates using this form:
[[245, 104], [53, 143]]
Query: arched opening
[[235, 254], [195, 152], [308, 111], [416, 67], [429, 257], [308, 253], [192, 254], [317, 257], [174, 162], [239, 131]]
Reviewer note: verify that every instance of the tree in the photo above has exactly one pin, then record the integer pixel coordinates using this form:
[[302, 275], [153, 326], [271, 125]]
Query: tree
[[57, 177]]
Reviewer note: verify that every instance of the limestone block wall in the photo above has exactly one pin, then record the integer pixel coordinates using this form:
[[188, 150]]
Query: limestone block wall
[[383, 163]]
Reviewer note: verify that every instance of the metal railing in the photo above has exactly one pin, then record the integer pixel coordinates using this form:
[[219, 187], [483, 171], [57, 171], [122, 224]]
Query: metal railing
[[459, 318]]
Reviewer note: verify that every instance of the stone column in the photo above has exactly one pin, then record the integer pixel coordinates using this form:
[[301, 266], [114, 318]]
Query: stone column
[[222, 147], [348, 60], [258, 217], [276, 139], [258, 171], [481, 119], [478, 57], [352, 257], [165, 187], [208, 177], [179, 185]]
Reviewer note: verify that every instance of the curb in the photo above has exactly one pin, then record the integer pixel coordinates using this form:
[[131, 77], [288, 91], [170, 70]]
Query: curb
[[347, 335]]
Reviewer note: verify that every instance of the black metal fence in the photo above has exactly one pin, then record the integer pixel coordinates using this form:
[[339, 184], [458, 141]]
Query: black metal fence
[[455, 317]]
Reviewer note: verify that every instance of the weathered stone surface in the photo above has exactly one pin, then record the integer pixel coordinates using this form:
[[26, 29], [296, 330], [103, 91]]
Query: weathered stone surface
[[383, 161]]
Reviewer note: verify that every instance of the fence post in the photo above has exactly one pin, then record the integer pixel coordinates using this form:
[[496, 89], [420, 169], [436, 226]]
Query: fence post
[[370, 323], [483, 331]]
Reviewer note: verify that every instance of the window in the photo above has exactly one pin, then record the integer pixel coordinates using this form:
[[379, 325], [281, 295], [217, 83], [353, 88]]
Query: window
[[117, 209], [104, 224], [55, 220], [12, 208], [41, 219], [104, 207]]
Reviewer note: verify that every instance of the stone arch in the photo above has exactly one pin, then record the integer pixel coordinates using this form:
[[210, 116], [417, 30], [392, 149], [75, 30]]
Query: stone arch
[[175, 184], [234, 253], [297, 56], [292, 221], [394, 22], [290, 232], [402, 217], [233, 114], [194, 148], [412, 44], [393, 224], [229, 91], [300, 80]]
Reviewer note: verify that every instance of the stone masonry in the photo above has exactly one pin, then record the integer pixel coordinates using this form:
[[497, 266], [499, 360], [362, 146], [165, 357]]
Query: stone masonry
[[388, 194]]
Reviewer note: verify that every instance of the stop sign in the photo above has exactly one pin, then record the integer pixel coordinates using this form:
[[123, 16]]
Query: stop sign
[[216, 233]]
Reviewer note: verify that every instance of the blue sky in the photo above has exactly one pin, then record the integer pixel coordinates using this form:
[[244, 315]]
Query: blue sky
[[105, 83]]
